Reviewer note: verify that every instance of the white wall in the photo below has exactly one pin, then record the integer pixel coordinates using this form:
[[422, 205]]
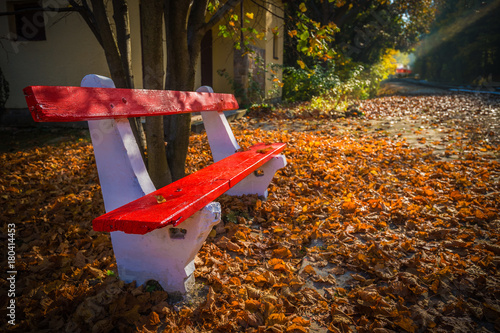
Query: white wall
[[272, 22], [69, 53]]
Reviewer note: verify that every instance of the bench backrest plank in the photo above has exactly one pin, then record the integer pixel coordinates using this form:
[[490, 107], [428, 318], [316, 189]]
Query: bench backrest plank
[[64, 104]]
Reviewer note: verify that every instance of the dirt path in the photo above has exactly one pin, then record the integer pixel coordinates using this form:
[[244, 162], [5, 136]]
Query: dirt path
[[435, 119], [447, 124], [402, 87]]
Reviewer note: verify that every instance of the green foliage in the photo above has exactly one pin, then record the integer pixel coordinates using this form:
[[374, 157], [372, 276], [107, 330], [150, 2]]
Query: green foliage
[[302, 84], [254, 92], [359, 30], [224, 31], [321, 84], [212, 6], [339, 50], [372, 76], [313, 39], [233, 28], [327, 87]]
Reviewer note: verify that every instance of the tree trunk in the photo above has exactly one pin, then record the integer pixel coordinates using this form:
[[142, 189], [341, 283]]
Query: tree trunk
[[152, 77], [180, 76], [4, 90], [122, 22], [185, 27], [109, 44]]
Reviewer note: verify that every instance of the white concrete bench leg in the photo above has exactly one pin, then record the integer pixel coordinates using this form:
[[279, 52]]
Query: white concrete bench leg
[[258, 182], [223, 144], [167, 254], [159, 255]]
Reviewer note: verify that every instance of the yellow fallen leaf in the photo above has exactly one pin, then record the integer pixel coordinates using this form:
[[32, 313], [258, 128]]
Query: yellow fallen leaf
[[160, 199]]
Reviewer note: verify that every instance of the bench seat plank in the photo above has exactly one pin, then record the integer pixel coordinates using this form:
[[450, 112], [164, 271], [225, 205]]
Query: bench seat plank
[[187, 195], [63, 104]]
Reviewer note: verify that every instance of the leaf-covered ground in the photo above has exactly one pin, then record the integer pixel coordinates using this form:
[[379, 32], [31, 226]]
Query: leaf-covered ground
[[383, 223]]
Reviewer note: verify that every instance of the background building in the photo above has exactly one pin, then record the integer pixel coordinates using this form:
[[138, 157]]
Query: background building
[[58, 48]]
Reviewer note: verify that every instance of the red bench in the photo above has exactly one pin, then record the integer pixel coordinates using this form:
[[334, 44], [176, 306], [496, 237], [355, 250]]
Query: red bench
[[148, 238]]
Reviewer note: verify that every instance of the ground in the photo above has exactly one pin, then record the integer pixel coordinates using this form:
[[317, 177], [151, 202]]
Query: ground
[[386, 219]]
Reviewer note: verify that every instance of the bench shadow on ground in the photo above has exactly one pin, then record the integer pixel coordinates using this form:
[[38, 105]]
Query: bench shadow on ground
[[21, 139]]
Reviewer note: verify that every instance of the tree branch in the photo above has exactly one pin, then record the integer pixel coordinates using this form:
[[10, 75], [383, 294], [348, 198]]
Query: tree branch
[[42, 9], [267, 10], [196, 20], [219, 14], [109, 43], [89, 18], [121, 18]]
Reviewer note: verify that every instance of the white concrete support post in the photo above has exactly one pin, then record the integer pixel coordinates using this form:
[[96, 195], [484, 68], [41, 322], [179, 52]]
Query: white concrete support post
[[258, 182], [166, 254], [220, 135], [223, 144]]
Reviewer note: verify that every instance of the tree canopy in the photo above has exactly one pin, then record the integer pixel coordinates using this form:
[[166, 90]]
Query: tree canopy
[[361, 30], [463, 45]]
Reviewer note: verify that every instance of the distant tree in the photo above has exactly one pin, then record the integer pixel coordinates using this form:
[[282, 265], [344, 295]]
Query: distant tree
[[464, 43], [363, 29], [4, 91]]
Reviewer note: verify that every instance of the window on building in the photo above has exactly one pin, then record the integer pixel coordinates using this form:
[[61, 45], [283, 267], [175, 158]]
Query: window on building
[[28, 22], [275, 47]]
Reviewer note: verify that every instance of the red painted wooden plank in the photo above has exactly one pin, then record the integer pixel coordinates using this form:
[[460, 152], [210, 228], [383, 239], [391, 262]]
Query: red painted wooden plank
[[187, 195], [59, 104]]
